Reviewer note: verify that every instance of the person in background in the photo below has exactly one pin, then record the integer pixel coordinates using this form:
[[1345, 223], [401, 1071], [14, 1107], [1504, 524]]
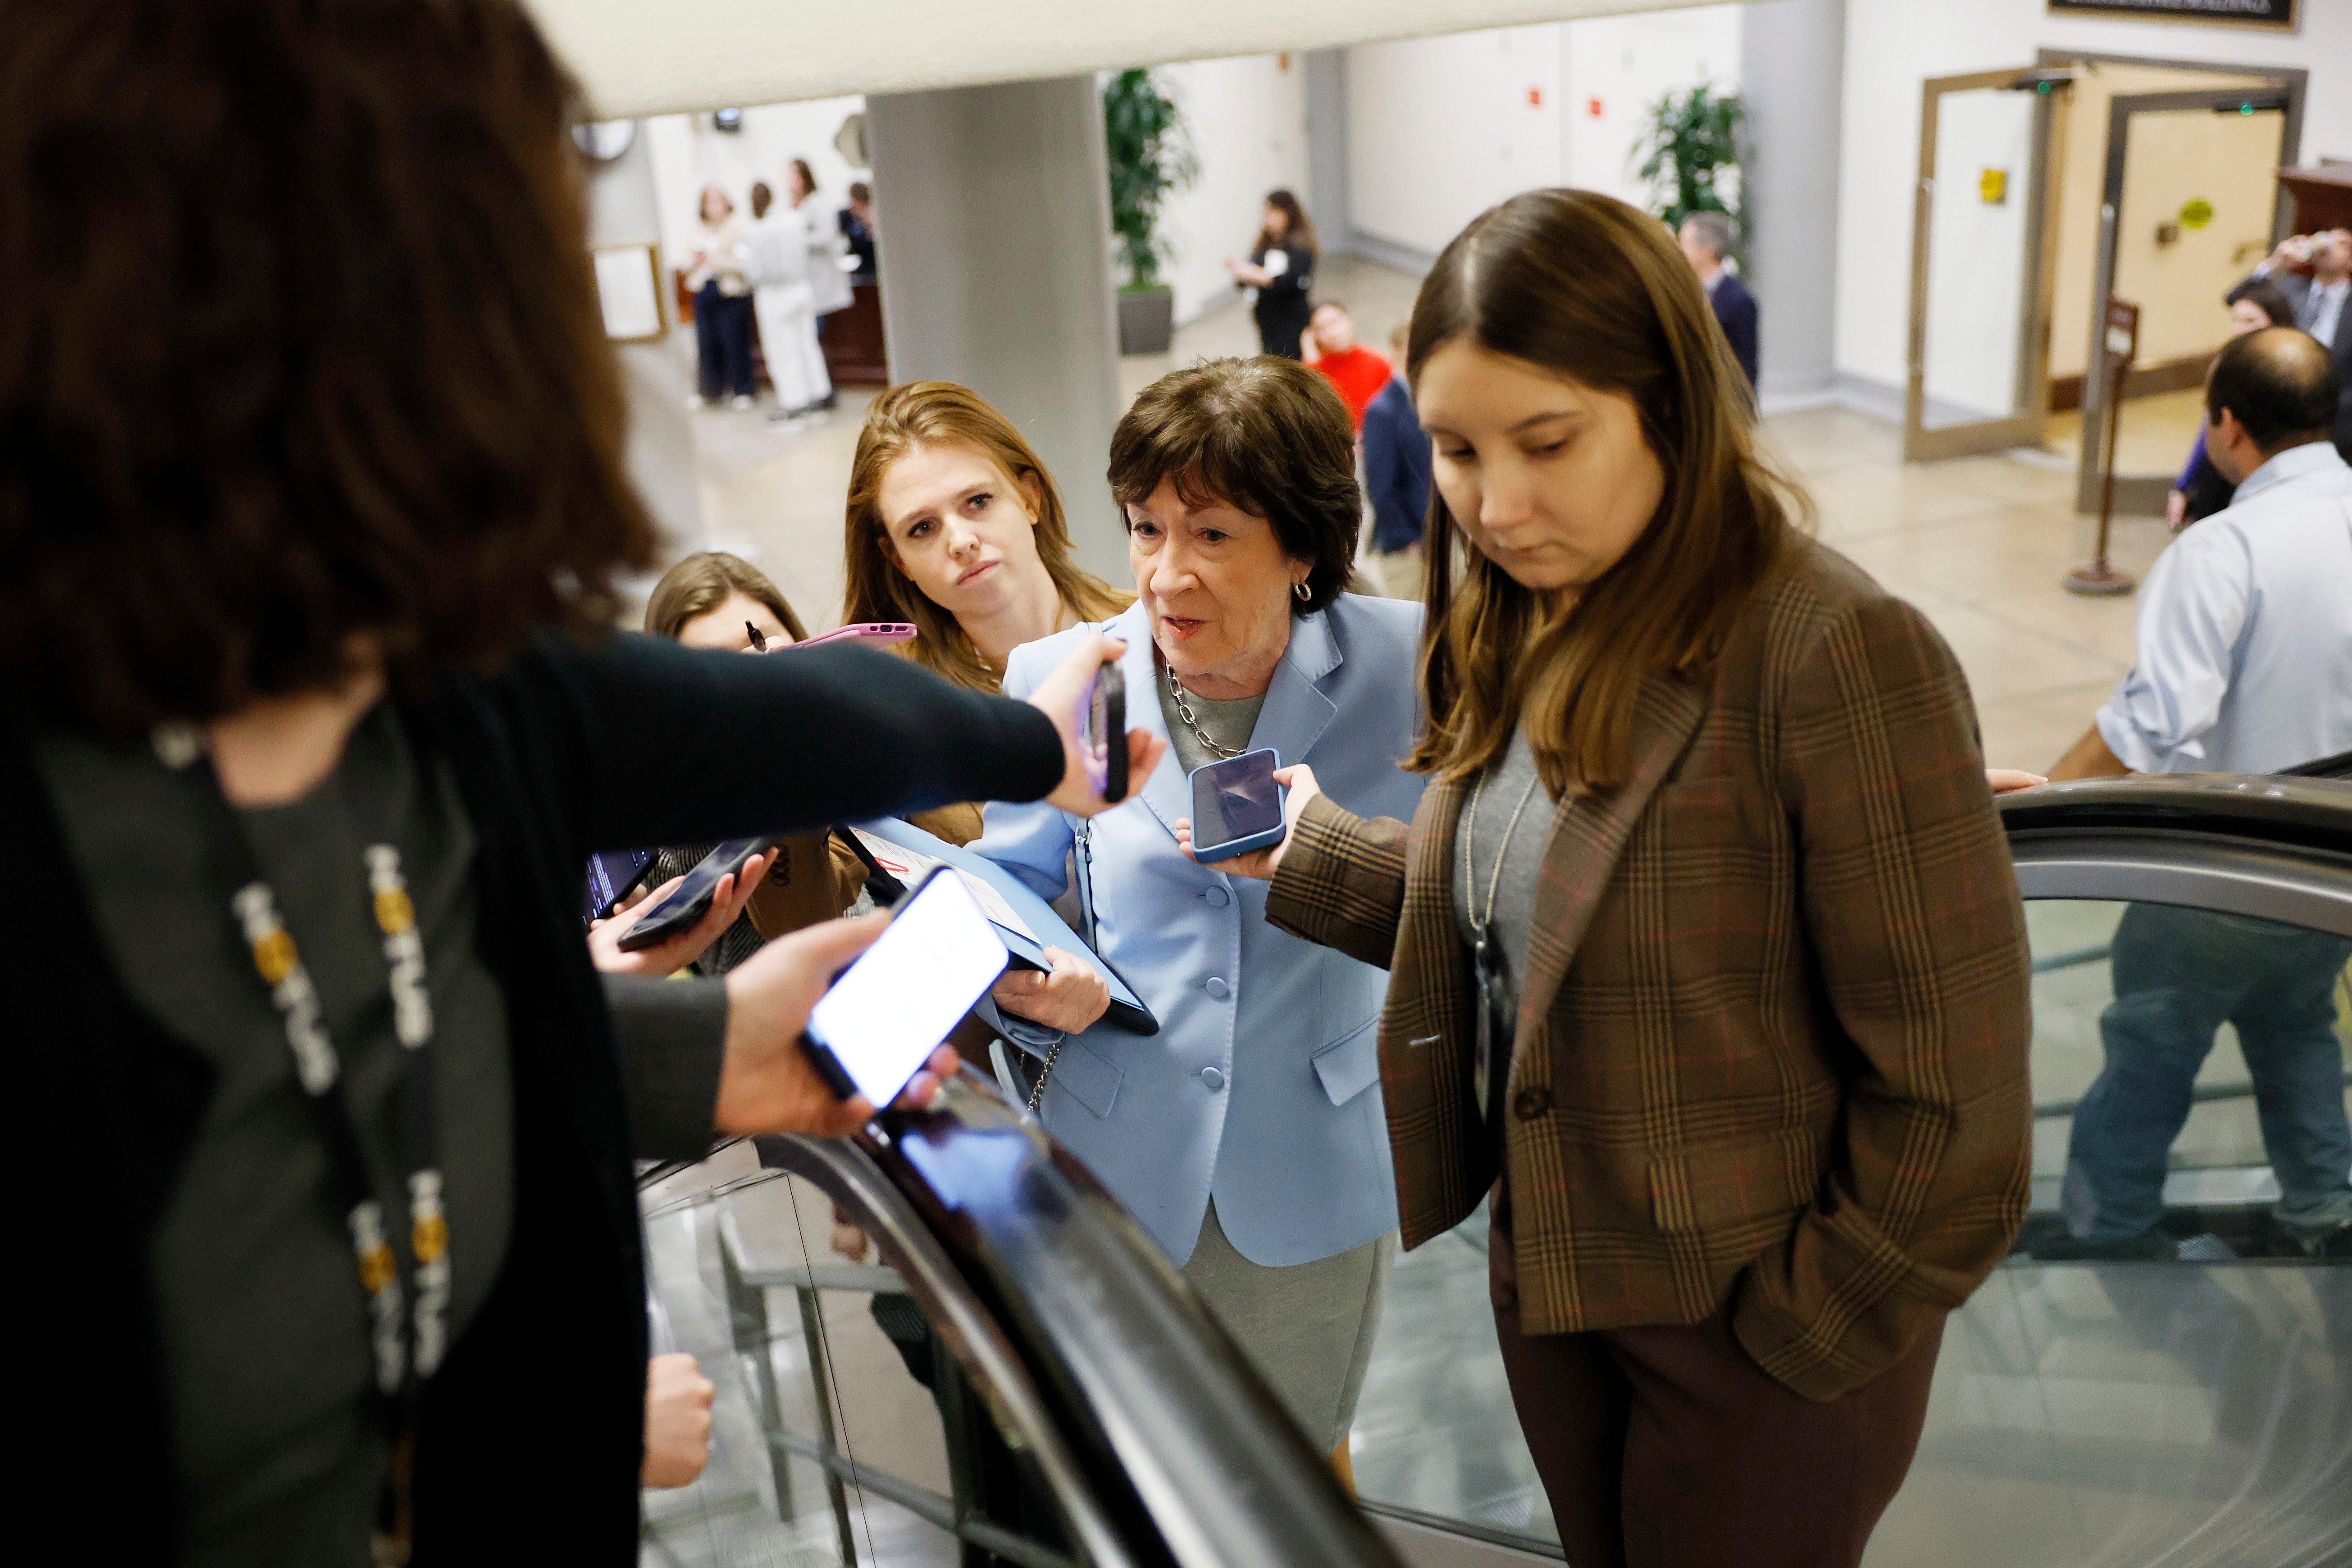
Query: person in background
[[828, 247], [787, 263], [857, 228], [1707, 240], [1281, 268], [1396, 477], [717, 278], [954, 524], [2201, 492], [2322, 302], [1355, 370], [1246, 1137], [309, 823], [2244, 666], [1747, 1139]]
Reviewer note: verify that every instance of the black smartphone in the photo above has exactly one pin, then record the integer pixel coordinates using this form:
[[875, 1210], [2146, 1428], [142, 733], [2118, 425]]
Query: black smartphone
[[887, 1012], [614, 875], [1102, 729], [691, 899], [1237, 806]]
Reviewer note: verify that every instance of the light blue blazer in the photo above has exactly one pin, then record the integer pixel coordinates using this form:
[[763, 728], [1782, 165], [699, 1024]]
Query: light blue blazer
[[1263, 1086]]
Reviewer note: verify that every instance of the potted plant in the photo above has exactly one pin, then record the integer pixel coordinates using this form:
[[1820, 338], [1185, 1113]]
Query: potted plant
[[1690, 155], [1151, 159]]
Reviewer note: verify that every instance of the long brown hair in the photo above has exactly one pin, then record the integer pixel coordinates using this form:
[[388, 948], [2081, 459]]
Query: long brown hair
[[919, 413], [1299, 234], [299, 338], [700, 583], [1588, 287]]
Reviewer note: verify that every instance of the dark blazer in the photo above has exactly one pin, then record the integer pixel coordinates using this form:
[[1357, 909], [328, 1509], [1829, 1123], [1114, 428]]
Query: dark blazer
[[1285, 304], [1735, 306], [2298, 289], [1396, 467], [1771, 1045], [530, 1434]]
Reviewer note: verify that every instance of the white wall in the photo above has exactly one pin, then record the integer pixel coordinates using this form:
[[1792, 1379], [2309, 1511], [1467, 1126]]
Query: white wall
[[688, 154], [1248, 123], [1891, 46], [1441, 128]]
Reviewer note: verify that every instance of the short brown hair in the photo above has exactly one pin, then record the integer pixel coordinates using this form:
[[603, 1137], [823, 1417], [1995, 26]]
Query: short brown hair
[[1587, 288], [929, 412], [1266, 434], [298, 339], [700, 583]]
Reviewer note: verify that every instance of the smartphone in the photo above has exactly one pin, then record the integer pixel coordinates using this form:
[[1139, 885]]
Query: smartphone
[[691, 899], [1102, 731], [889, 1011], [614, 875], [1237, 806], [864, 631]]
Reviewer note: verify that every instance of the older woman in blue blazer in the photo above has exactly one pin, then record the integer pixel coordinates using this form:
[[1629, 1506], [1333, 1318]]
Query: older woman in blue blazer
[[1247, 1136]]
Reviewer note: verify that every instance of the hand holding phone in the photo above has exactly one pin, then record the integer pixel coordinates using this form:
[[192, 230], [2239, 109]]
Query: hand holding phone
[[889, 1011], [1237, 806], [1299, 788], [683, 905], [1066, 690], [1102, 732]]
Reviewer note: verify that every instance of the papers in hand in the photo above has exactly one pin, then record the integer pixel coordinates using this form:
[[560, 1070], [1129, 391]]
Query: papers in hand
[[911, 867]]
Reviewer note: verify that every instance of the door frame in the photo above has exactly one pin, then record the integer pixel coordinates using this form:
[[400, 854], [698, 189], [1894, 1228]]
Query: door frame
[[1921, 445], [2141, 493]]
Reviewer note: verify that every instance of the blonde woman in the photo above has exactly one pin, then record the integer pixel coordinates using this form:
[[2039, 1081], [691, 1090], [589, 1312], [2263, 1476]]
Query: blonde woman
[[954, 525]]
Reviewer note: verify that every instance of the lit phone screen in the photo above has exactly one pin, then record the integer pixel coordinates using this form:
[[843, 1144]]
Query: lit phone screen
[[1235, 799], [889, 1010]]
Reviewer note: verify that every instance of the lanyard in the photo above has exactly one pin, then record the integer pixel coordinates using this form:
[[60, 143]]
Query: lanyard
[[400, 1339]]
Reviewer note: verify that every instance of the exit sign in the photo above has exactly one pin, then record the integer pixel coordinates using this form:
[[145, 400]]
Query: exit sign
[[1595, 108]]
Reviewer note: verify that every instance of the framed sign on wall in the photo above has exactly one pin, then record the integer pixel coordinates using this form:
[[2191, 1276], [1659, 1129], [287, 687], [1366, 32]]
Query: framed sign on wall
[[2276, 16], [628, 286]]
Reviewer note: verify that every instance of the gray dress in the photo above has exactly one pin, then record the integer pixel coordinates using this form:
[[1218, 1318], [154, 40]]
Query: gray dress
[[1307, 1328]]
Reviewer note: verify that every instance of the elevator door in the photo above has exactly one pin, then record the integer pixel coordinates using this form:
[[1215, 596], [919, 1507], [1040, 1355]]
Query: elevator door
[[1979, 275]]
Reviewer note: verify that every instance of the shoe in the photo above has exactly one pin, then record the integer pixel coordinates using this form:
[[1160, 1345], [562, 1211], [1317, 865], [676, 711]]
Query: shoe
[[2333, 1242], [790, 419], [742, 400], [825, 404]]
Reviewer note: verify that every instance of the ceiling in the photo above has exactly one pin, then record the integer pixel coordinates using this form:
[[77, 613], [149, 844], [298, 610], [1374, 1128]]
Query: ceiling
[[654, 57]]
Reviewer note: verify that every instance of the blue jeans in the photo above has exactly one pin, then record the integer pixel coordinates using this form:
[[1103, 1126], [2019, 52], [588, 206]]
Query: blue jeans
[[2178, 974]]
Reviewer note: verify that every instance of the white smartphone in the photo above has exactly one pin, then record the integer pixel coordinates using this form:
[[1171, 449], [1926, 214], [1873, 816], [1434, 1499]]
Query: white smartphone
[[889, 1011]]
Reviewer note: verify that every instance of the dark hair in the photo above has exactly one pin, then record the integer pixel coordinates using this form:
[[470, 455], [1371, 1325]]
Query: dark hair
[[1586, 288], [1266, 434], [700, 583], [298, 338], [763, 198], [2279, 382], [1300, 235], [808, 177], [2268, 297], [859, 190]]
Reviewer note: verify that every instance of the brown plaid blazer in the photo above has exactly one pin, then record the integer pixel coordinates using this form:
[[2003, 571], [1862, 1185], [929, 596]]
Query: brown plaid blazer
[[1772, 1035]]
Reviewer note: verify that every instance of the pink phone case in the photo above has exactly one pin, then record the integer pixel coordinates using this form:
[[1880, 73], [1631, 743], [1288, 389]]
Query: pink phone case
[[864, 631]]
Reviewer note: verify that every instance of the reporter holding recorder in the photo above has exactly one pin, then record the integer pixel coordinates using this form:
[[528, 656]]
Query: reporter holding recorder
[[1705, 956], [307, 720]]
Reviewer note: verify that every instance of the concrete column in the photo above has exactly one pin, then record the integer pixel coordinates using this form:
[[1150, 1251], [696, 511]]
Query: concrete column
[[994, 208], [623, 208], [1327, 147], [1792, 70]]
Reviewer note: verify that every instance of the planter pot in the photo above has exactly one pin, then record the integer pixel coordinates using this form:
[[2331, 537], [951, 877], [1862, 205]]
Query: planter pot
[[1147, 321]]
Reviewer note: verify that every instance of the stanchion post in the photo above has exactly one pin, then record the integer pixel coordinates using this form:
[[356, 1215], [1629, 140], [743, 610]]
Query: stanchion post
[[2118, 346]]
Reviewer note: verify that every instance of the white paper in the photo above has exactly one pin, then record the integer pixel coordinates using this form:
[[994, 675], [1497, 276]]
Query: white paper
[[625, 285], [911, 867], [1276, 263]]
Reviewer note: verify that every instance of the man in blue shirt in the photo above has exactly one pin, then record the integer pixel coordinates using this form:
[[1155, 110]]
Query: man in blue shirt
[[1396, 477], [1707, 240], [2244, 666]]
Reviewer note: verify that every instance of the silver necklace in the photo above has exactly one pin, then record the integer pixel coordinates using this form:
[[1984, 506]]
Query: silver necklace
[[1487, 951], [1193, 723]]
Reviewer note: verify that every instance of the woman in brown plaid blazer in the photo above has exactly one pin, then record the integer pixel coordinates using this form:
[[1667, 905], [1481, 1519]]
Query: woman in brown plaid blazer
[[1754, 971]]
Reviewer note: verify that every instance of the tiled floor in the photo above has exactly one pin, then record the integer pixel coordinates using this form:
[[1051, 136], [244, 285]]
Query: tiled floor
[[1977, 543]]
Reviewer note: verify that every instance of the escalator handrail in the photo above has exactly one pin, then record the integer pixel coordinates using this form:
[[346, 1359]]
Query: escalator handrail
[[2301, 812], [846, 1174], [1153, 1394]]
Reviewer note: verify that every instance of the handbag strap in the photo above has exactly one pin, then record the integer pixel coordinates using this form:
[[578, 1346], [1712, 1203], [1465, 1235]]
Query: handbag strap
[[1082, 859]]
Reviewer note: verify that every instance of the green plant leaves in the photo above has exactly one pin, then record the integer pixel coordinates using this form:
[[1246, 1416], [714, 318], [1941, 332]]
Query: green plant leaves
[[1692, 141], [1152, 158]]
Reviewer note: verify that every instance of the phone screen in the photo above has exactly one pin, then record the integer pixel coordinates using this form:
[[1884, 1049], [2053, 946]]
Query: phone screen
[[889, 1010], [1235, 799]]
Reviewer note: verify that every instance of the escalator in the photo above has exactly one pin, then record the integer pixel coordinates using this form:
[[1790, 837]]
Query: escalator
[[1015, 1375]]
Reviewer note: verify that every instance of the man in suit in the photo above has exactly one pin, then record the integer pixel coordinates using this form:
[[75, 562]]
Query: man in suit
[[2323, 305], [1707, 240]]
